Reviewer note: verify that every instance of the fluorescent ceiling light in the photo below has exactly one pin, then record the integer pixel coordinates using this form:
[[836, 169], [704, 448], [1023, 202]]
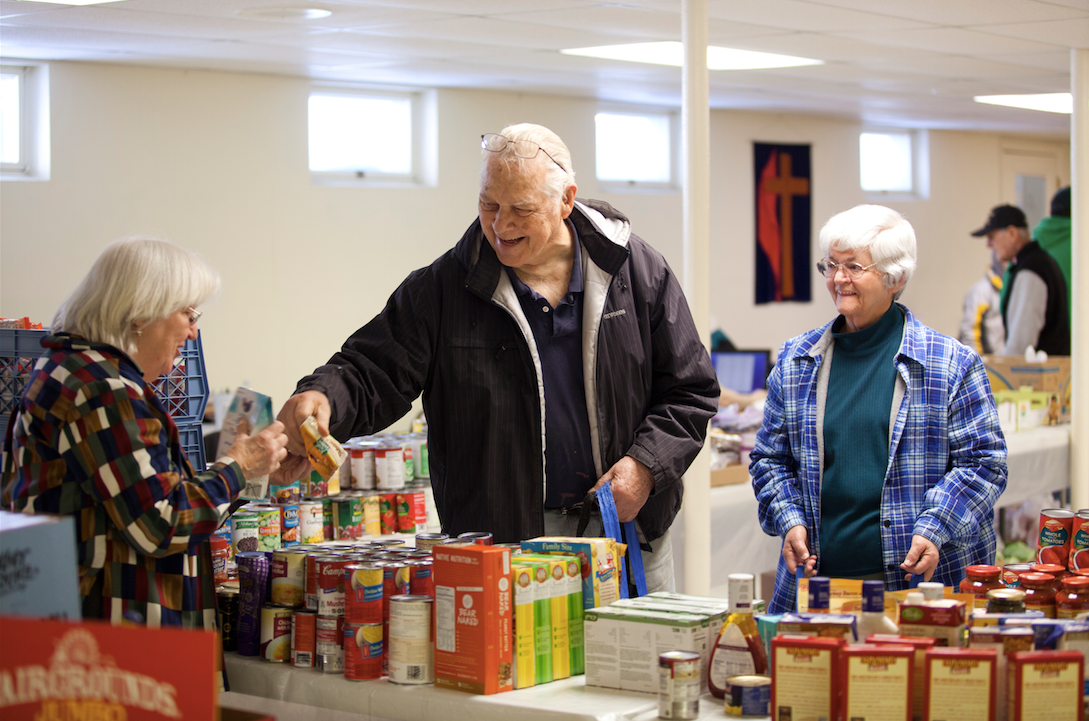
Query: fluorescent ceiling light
[[277, 13], [74, 2], [672, 53], [1048, 102]]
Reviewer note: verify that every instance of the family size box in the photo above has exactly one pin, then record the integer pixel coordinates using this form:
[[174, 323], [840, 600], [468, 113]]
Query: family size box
[[920, 645], [1052, 680], [599, 562], [806, 678], [878, 681], [473, 599], [38, 572], [944, 621], [960, 684]]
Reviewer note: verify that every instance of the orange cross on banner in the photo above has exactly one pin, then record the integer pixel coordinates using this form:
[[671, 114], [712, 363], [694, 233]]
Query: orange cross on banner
[[782, 222]]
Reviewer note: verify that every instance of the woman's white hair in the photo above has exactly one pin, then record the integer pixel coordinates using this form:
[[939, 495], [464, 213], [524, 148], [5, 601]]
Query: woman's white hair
[[558, 175], [134, 280], [880, 230]]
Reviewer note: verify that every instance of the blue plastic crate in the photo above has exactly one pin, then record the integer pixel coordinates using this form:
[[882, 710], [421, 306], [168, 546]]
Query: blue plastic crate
[[183, 391]]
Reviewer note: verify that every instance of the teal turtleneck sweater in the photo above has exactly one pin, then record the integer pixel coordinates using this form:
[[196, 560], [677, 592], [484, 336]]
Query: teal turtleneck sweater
[[861, 382]]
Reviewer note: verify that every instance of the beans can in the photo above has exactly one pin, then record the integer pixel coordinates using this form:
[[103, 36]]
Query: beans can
[[1056, 531], [329, 572], [289, 525], [748, 695], [253, 572], [372, 515], [1079, 544], [406, 513], [362, 455], [311, 522], [268, 529], [227, 599], [411, 654], [289, 494], [389, 466], [363, 644], [348, 517], [244, 532], [289, 577], [480, 538], [363, 584], [275, 633], [304, 627], [678, 685]]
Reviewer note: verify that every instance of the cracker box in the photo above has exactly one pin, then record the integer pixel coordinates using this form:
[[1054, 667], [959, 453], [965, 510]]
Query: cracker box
[[806, 675], [598, 558], [878, 681], [960, 684], [1051, 680], [473, 598], [920, 644], [944, 621]]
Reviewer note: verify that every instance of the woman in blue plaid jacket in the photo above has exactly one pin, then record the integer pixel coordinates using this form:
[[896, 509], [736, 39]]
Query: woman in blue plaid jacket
[[888, 461]]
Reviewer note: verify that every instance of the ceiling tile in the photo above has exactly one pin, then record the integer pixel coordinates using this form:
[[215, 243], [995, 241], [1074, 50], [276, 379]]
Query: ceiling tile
[[1070, 33], [960, 13], [801, 15], [949, 40]]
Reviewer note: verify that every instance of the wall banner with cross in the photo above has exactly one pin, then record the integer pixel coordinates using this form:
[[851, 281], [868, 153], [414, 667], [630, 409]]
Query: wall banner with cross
[[783, 222]]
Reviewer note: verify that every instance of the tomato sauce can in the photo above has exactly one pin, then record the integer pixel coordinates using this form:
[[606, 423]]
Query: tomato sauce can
[[330, 581], [275, 633], [420, 581], [372, 515], [363, 585], [748, 695], [678, 685], [304, 626], [363, 644], [1079, 543], [1011, 574], [1056, 531], [406, 513], [410, 651]]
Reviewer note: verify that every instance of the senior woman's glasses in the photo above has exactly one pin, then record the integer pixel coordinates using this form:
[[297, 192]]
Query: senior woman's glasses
[[526, 149], [194, 315], [854, 271]]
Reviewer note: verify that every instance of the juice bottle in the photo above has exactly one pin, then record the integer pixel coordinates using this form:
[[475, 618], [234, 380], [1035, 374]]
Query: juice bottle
[[739, 649]]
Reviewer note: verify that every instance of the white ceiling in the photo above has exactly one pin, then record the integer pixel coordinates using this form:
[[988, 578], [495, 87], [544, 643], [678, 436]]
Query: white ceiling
[[913, 63]]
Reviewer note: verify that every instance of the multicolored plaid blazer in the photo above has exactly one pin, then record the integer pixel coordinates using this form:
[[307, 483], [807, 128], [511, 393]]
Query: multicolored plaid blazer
[[90, 439]]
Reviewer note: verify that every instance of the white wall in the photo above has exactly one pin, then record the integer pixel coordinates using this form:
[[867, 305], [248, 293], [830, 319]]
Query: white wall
[[217, 163]]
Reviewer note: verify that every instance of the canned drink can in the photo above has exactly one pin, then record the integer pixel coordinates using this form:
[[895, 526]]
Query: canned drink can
[[372, 515], [1011, 574], [289, 525], [389, 467], [406, 514], [678, 685], [244, 533], [304, 626], [395, 582], [411, 654], [748, 695], [420, 580], [330, 584], [311, 522], [1056, 531], [289, 577], [480, 538], [228, 617], [363, 644], [253, 572], [362, 460], [387, 513], [275, 633], [1079, 544], [363, 584]]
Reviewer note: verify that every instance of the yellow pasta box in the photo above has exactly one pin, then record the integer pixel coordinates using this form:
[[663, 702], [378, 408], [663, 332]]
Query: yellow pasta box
[[557, 588], [599, 559], [525, 625]]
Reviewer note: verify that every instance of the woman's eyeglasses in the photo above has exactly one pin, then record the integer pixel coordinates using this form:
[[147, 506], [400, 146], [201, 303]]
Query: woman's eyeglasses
[[854, 271]]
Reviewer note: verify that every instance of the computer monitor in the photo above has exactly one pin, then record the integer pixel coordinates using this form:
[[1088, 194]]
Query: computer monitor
[[744, 370]]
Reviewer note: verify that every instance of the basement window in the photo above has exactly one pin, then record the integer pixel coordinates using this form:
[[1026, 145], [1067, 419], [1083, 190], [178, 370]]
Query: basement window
[[894, 165], [635, 151], [24, 122]]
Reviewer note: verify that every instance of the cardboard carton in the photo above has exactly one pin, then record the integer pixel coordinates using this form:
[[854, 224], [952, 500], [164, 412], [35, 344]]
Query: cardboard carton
[[1052, 377]]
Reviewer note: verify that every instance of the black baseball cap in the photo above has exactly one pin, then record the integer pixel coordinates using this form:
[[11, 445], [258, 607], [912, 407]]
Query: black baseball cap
[[1003, 216], [1060, 203]]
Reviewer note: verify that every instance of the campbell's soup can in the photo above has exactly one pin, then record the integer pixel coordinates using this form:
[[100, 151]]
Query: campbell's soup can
[[389, 466], [275, 633], [1011, 574], [372, 514], [362, 462], [363, 584], [420, 580], [329, 644], [387, 513], [363, 644], [289, 577], [1056, 534], [311, 522], [330, 577], [409, 647], [289, 525], [406, 514], [1079, 543]]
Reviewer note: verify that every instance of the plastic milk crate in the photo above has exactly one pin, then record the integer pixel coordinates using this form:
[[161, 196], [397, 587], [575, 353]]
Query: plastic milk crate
[[183, 391]]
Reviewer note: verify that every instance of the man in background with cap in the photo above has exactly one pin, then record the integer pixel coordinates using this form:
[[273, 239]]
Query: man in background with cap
[[1034, 305], [1054, 235]]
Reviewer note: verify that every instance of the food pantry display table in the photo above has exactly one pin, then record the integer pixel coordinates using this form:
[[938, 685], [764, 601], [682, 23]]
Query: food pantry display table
[[292, 694]]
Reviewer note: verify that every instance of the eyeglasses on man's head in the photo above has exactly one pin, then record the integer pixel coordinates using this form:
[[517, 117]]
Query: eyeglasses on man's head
[[526, 149]]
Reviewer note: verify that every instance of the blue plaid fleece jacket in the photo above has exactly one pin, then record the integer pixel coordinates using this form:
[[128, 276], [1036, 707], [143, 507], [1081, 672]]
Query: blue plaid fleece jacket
[[947, 455]]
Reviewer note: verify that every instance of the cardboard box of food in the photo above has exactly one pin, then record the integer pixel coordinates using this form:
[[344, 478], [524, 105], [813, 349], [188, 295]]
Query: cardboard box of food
[[1052, 377], [730, 475]]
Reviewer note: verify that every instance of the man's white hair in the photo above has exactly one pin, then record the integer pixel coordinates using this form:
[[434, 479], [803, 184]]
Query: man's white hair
[[134, 280], [880, 230], [558, 175]]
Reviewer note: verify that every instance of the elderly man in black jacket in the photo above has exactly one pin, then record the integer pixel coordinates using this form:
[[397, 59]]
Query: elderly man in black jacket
[[555, 352]]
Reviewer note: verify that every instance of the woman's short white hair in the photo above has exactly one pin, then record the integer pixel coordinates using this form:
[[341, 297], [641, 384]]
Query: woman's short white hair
[[134, 280], [558, 175], [880, 230]]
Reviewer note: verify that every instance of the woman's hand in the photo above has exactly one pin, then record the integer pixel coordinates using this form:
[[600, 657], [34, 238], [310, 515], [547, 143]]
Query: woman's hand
[[796, 550], [259, 454]]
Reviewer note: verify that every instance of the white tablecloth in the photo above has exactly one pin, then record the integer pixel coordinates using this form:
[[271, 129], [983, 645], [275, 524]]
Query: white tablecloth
[[1038, 461]]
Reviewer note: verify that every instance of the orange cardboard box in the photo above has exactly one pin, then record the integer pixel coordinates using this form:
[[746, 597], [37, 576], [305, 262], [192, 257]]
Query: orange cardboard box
[[473, 597], [878, 681], [960, 684], [1046, 679], [806, 677]]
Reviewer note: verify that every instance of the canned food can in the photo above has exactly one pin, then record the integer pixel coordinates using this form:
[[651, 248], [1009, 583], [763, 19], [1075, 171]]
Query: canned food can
[[363, 651], [228, 617], [224, 532], [275, 633], [328, 635], [1056, 531], [748, 695], [289, 525], [363, 585], [289, 577], [389, 467], [221, 553], [268, 529], [372, 515], [420, 580], [406, 514], [310, 592], [289, 494], [410, 465], [388, 543], [315, 486], [387, 513], [424, 541], [678, 685], [1011, 574], [330, 583], [311, 522], [395, 582], [245, 535], [1079, 544], [420, 458], [330, 663], [411, 655], [253, 572], [480, 538], [419, 508], [362, 460], [304, 627], [348, 516]]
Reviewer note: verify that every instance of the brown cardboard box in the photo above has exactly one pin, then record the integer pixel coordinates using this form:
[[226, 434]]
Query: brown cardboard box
[[1012, 372], [730, 475]]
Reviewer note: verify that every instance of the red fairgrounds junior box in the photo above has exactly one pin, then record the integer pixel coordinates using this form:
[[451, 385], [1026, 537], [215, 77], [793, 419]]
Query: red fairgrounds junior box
[[472, 618], [1051, 680]]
